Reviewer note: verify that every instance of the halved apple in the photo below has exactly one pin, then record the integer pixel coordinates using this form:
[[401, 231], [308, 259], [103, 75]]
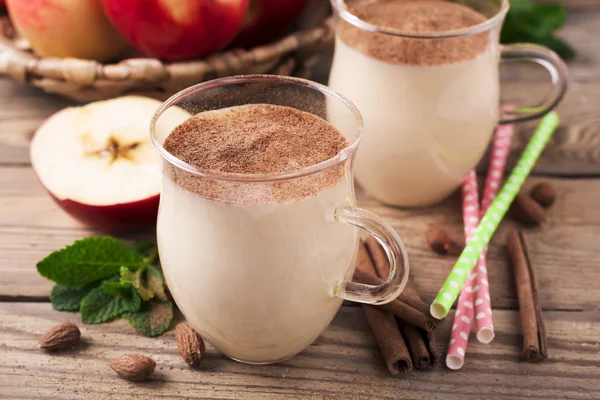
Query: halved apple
[[98, 162]]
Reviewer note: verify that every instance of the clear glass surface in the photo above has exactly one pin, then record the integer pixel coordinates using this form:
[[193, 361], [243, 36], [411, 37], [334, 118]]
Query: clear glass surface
[[430, 107], [257, 274]]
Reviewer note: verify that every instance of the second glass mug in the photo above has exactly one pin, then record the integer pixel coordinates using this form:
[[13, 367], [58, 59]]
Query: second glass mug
[[430, 101], [261, 279]]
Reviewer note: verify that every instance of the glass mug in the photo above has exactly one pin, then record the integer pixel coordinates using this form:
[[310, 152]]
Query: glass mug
[[430, 101], [260, 280]]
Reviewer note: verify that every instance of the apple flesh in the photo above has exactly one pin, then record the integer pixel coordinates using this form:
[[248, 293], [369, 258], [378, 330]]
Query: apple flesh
[[67, 28], [98, 162], [266, 20], [177, 29]]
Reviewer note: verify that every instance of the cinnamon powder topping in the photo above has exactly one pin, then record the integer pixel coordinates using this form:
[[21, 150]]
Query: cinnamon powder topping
[[255, 139], [415, 17]]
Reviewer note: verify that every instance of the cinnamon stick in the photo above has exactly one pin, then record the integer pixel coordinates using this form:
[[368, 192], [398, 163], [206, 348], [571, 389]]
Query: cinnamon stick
[[389, 339], [420, 339], [535, 342], [421, 346], [409, 295], [408, 307]]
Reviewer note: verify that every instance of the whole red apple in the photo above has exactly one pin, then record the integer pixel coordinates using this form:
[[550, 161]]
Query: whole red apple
[[177, 29], [67, 28], [265, 20]]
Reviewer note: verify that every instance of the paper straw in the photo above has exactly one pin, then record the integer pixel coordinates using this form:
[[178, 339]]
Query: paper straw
[[461, 328], [490, 221], [484, 324], [463, 317]]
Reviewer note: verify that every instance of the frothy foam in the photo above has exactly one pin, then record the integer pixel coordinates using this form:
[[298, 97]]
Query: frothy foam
[[255, 139]]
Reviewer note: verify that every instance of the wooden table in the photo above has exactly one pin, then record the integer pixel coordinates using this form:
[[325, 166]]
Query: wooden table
[[344, 362]]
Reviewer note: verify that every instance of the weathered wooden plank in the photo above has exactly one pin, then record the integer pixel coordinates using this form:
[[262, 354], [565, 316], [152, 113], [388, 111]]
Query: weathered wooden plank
[[344, 363], [574, 149], [582, 21], [22, 110], [31, 226]]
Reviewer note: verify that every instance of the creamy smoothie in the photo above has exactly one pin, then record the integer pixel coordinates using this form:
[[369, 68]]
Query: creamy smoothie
[[252, 265], [429, 105]]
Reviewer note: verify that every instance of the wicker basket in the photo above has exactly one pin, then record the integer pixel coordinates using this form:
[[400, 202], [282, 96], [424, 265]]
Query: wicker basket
[[85, 80]]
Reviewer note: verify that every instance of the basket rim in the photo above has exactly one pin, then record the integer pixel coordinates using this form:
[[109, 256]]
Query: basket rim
[[30, 61]]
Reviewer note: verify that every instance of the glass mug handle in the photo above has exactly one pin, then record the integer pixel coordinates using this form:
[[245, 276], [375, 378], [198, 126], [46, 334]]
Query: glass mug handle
[[395, 250], [552, 63]]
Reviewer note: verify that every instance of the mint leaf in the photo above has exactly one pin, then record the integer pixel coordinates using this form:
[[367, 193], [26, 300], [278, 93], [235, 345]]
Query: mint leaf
[[520, 6], [117, 288], [143, 247], [553, 15], [153, 319], [135, 278], [147, 249], [154, 282], [67, 299], [147, 280], [536, 23], [87, 261], [99, 306]]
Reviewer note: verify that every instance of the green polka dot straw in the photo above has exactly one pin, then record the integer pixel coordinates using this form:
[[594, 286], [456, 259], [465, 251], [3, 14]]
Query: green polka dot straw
[[490, 221]]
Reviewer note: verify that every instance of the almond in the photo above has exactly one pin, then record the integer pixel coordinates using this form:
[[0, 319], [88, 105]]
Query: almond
[[190, 344], [527, 210], [544, 193], [61, 336], [439, 240], [133, 367]]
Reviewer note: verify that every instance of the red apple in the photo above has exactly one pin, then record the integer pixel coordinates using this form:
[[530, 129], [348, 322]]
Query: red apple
[[67, 28], [177, 29], [98, 162], [265, 20]]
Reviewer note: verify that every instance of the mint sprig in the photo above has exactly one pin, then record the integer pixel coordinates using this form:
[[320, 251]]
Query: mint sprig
[[67, 299], [147, 280], [153, 319], [105, 279], [143, 247], [89, 260], [529, 22], [100, 306]]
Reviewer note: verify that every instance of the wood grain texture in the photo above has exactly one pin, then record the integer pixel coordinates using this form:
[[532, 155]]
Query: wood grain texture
[[22, 110], [32, 226], [574, 150], [344, 363]]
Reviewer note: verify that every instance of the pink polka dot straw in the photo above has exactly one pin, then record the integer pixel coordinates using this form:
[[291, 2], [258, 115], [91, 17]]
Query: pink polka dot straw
[[476, 287], [484, 326], [461, 328]]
